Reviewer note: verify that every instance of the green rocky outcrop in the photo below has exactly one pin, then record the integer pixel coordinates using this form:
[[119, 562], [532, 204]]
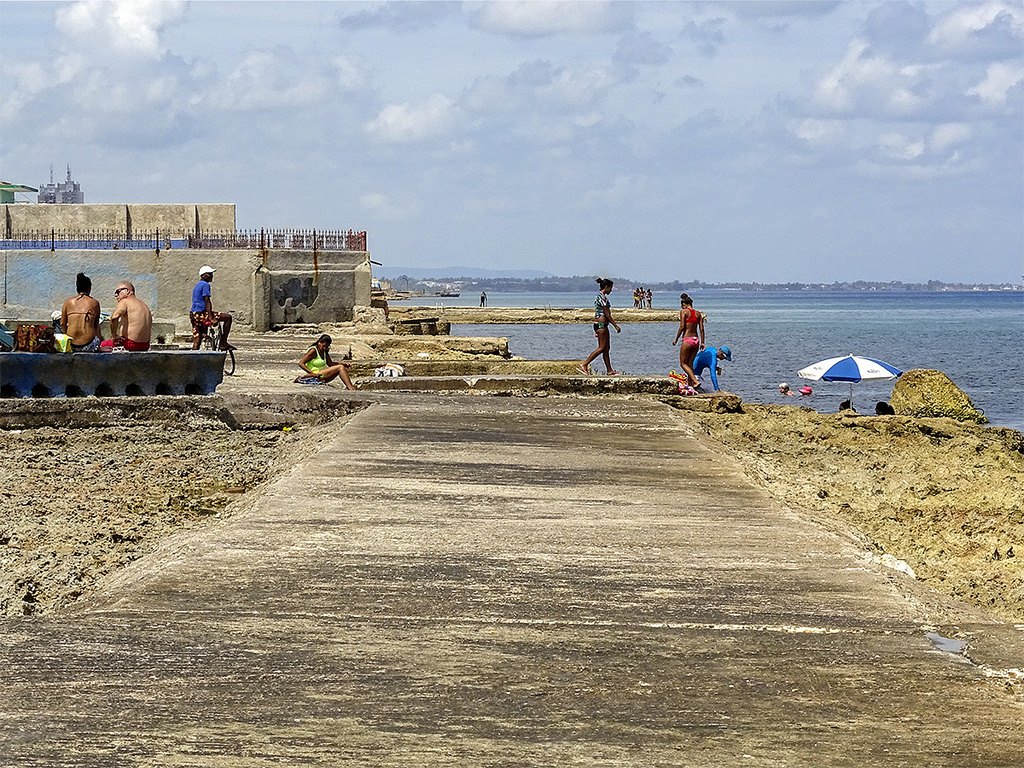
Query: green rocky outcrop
[[925, 392]]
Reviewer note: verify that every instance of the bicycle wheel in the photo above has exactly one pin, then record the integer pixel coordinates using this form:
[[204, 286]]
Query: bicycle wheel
[[211, 339], [229, 363]]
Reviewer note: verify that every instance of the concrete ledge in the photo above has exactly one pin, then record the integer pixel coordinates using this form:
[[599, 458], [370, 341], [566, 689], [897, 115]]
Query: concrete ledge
[[662, 386], [262, 411], [81, 374]]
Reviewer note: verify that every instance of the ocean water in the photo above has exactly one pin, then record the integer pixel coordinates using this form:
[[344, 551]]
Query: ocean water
[[975, 338]]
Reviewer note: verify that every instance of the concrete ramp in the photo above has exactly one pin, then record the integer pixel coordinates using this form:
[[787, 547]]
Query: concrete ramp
[[479, 581]]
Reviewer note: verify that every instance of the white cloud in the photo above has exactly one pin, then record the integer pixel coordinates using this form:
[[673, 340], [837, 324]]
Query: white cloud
[[404, 123], [970, 26], [899, 147], [350, 75], [271, 79], [949, 135], [1000, 77], [819, 131], [540, 87], [551, 17], [858, 68], [402, 16], [128, 27]]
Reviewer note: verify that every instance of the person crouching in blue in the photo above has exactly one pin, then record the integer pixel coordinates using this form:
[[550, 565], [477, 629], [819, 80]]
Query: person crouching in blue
[[708, 358]]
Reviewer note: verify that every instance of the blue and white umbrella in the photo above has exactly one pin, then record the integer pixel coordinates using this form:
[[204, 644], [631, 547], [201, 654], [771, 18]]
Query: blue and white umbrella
[[850, 368]]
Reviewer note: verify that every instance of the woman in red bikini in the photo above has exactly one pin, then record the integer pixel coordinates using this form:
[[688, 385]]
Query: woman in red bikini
[[691, 329]]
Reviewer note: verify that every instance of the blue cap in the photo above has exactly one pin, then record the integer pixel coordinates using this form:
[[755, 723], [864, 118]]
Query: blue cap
[[726, 351]]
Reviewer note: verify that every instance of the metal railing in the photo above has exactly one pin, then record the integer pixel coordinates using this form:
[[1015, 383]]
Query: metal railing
[[298, 239]]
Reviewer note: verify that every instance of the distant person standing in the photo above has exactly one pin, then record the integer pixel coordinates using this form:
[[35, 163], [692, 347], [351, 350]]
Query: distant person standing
[[650, 298], [602, 319], [202, 314], [483, 298], [131, 324], [691, 330], [80, 317]]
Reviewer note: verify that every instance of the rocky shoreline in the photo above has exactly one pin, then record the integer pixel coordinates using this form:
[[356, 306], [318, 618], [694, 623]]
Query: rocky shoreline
[[79, 502], [944, 497]]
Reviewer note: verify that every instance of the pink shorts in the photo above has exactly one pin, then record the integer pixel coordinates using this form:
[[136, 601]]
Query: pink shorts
[[693, 341]]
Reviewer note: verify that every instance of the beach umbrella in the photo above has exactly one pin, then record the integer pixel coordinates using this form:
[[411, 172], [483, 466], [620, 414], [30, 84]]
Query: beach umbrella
[[850, 368]]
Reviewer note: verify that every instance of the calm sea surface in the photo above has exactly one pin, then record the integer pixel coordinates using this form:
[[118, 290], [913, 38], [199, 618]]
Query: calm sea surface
[[976, 338]]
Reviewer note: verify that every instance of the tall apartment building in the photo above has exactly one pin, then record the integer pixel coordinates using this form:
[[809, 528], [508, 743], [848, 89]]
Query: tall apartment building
[[63, 192]]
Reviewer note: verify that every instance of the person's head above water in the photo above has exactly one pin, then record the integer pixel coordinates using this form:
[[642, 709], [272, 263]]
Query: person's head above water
[[783, 387]]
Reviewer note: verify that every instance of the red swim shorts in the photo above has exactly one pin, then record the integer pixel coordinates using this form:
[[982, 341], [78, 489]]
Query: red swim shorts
[[127, 344]]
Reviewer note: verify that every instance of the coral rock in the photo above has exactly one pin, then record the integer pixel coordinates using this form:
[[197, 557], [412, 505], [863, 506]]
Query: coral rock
[[924, 392]]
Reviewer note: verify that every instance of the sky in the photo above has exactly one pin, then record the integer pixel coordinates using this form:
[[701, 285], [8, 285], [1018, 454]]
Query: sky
[[757, 141]]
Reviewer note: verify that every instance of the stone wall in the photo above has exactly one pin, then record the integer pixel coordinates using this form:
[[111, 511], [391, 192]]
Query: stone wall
[[259, 288], [172, 219]]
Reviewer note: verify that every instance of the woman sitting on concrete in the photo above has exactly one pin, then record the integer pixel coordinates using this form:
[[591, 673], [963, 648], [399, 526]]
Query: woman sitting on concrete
[[320, 368]]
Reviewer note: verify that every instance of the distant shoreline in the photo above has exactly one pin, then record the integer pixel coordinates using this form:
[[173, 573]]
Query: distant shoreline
[[433, 287]]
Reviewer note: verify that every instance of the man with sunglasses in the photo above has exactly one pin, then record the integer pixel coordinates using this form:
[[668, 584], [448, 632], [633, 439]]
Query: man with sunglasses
[[131, 324]]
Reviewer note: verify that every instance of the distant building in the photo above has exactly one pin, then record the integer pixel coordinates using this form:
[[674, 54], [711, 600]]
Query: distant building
[[63, 192]]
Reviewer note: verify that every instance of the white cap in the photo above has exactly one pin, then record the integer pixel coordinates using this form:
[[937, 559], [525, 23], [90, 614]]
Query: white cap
[[204, 270]]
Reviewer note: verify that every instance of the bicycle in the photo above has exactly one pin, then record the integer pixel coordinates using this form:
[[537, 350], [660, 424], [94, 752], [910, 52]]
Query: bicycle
[[211, 343]]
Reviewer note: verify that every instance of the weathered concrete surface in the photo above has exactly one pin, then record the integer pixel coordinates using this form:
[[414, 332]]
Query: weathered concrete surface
[[461, 580], [172, 219], [70, 374]]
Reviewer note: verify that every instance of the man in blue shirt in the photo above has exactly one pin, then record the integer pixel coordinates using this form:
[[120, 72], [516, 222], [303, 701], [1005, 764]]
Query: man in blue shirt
[[202, 315], [708, 358]]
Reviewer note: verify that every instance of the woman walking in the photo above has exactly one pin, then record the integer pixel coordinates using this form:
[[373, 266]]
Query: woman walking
[[319, 367], [602, 319], [691, 329]]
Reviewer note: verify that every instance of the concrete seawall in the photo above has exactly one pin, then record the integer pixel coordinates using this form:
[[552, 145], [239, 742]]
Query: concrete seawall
[[111, 374]]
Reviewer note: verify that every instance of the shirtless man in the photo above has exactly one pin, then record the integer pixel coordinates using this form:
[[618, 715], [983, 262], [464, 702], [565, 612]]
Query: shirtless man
[[131, 324], [80, 317]]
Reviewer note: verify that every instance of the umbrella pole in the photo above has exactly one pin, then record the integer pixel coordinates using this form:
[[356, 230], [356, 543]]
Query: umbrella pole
[[851, 395]]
